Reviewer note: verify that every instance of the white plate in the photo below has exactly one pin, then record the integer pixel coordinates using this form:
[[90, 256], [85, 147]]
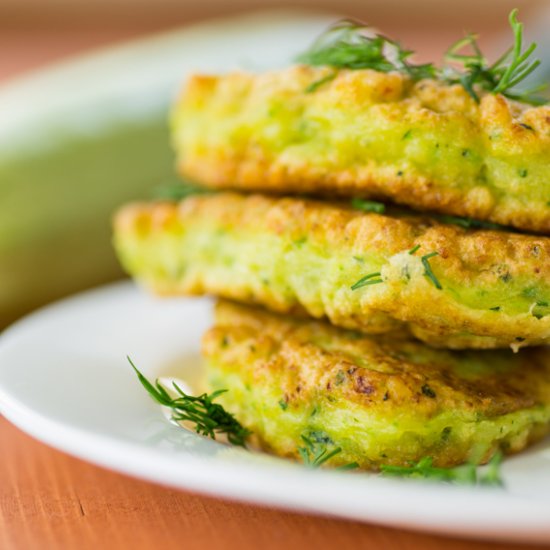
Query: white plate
[[65, 380]]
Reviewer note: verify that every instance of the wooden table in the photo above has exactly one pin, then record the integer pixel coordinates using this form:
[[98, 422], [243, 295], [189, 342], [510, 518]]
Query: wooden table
[[49, 500]]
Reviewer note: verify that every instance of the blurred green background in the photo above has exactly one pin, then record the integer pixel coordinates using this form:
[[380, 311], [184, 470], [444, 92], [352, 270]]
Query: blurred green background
[[61, 177]]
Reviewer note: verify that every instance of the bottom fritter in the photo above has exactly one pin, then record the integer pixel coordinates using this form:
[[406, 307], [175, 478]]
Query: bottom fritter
[[381, 401]]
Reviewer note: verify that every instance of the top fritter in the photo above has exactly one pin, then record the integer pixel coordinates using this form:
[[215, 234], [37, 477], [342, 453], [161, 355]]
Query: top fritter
[[456, 143]]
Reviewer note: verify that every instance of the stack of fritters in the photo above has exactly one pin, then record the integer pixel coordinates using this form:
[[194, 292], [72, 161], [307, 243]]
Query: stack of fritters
[[390, 291]]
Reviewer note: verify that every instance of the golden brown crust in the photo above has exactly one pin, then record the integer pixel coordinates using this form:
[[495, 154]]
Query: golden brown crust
[[381, 369], [427, 145], [295, 255], [383, 401]]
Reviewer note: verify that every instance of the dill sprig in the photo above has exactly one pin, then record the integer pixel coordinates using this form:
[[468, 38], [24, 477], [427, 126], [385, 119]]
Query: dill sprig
[[175, 191], [466, 474], [315, 452], [467, 223], [368, 206], [351, 44], [209, 418], [370, 279], [316, 84], [474, 71], [428, 269]]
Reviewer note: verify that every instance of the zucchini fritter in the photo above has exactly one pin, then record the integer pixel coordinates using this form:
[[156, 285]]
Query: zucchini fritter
[[369, 134], [381, 401], [483, 289]]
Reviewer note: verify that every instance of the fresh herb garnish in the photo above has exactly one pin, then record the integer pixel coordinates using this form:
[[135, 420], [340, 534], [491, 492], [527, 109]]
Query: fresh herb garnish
[[368, 206], [467, 223], [428, 269], [175, 191], [466, 474], [503, 75], [348, 466], [370, 279], [315, 85], [492, 475], [315, 452], [209, 418], [414, 249], [352, 45]]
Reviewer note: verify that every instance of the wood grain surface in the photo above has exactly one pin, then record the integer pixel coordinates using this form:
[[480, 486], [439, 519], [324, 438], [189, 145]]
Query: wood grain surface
[[49, 500]]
